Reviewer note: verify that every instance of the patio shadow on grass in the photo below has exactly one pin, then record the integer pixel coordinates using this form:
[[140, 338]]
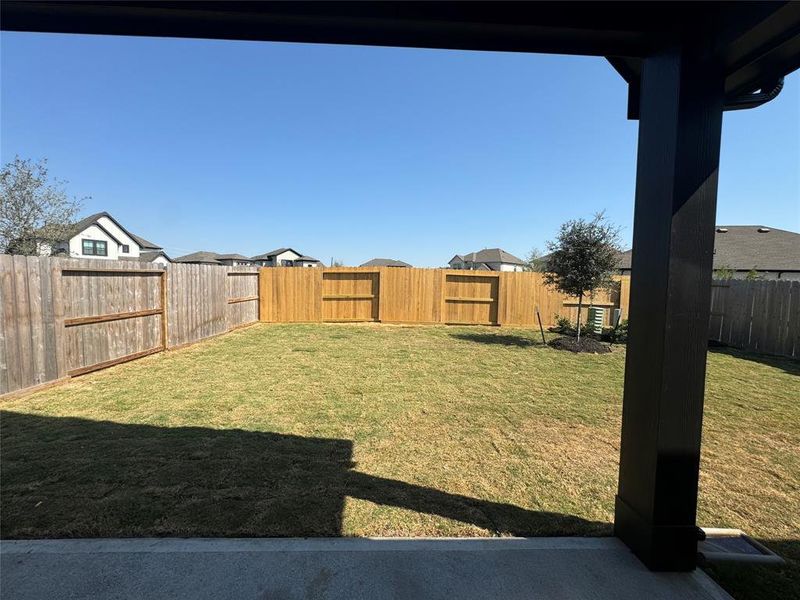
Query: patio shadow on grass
[[787, 364], [68, 477], [502, 340]]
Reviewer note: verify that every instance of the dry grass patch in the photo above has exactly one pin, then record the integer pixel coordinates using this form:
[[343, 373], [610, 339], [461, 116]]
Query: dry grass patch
[[299, 430]]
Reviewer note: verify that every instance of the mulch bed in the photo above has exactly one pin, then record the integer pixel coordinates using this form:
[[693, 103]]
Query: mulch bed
[[587, 344]]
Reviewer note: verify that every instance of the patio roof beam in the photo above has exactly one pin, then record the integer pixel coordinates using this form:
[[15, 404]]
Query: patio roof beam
[[586, 28]]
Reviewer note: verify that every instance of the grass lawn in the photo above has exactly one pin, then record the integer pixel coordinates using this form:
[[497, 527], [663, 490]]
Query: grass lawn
[[308, 430]]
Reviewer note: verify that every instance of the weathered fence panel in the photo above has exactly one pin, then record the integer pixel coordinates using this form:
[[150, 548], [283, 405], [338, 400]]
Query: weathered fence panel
[[64, 317], [762, 316], [112, 312], [30, 340], [197, 300], [242, 297]]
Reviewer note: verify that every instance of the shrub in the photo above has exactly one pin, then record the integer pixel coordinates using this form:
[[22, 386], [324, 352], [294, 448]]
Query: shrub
[[563, 325], [616, 335], [566, 327]]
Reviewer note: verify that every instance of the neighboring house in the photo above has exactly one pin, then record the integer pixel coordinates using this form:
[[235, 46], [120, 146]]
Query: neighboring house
[[199, 258], [213, 258], [488, 259], [285, 257], [101, 236], [385, 262], [158, 257], [235, 260], [767, 252]]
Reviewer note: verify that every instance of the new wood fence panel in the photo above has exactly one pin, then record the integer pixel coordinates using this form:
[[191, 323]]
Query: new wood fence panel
[[291, 294], [350, 295], [410, 295], [471, 298], [519, 296], [266, 305], [624, 295]]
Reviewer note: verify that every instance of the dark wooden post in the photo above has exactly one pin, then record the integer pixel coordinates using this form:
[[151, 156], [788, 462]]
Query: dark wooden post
[[673, 243]]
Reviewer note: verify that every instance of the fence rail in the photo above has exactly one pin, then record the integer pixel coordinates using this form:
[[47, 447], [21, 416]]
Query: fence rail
[[65, 317]]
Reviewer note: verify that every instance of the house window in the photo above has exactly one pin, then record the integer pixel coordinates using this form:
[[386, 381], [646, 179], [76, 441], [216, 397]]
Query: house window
[[126, 248], [287, 263], [94, 248]]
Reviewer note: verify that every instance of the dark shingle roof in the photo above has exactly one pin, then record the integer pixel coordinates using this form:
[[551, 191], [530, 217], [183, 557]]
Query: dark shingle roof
[[209, 258], [267, 255], [385, 262], [144, 243], [92, 219], [150, 255], [308, 258], [744, 247], [492, 255], [233, 257]]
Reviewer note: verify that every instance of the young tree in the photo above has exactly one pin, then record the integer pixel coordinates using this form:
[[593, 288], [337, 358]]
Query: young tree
[[534, 261], [583, 258], [34, 210]]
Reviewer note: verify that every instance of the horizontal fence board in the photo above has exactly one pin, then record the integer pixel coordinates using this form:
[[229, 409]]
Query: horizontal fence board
[[110, 317]]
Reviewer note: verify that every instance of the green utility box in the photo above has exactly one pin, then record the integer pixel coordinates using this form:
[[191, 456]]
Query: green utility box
[[596, 318]]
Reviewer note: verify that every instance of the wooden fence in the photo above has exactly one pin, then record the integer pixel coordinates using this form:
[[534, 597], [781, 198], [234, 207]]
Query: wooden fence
[[65, 317], [762, 316], [406, 295]]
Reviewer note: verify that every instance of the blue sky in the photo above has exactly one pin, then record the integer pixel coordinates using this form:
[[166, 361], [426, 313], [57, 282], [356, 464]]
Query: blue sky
[[356, 152]]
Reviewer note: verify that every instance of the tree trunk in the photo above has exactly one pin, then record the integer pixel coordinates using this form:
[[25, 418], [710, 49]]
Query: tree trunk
[[580, 304]]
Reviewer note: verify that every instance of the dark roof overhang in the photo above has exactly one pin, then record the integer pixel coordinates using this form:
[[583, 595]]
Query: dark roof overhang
[[756, 43]]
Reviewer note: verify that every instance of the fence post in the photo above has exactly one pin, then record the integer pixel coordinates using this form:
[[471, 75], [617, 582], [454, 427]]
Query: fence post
[[499, 302], [380, 293], [164, 310], [442, 296]]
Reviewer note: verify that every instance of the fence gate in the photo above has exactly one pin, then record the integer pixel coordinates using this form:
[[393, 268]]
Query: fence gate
[[471, 299], [350, 296]]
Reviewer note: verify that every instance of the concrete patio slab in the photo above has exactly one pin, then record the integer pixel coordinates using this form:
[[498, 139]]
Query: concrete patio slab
[[346, 568]]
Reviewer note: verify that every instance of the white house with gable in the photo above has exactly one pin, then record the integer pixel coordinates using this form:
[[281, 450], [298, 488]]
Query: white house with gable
[[285, 257], [101, 236]]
